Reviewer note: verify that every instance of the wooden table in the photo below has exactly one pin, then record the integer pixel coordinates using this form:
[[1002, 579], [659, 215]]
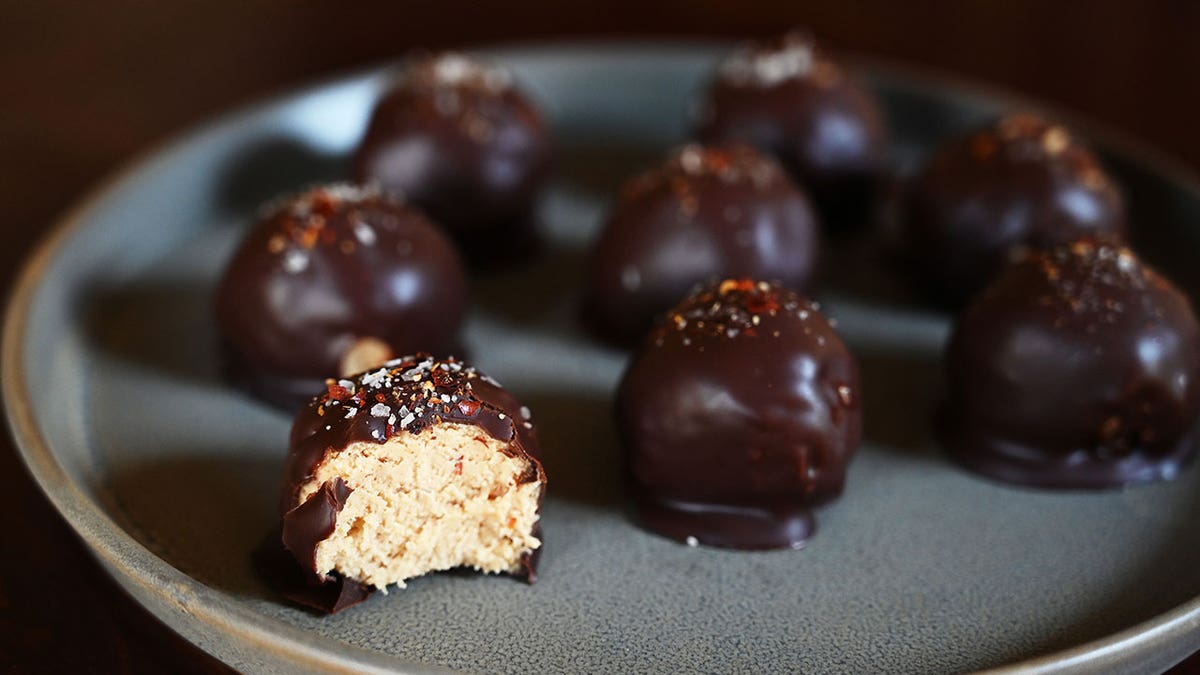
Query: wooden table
[[87, 85]]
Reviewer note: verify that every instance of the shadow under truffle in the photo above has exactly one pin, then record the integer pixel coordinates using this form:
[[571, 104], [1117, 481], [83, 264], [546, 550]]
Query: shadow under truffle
[[272, 167], [165, 327], [203, 513], [579, 447]]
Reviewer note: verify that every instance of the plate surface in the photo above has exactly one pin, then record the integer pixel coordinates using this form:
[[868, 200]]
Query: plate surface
[[112, 391]]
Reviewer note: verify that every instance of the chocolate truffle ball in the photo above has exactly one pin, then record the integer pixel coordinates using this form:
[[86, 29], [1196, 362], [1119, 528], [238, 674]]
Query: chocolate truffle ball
[[418, 466], [457, 138], [333, 281], [738, 415], [1022, 182], [706, 212], [1078, 368], [790, 98]]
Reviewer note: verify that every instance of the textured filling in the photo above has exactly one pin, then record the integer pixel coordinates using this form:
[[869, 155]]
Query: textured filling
[[446, 497]]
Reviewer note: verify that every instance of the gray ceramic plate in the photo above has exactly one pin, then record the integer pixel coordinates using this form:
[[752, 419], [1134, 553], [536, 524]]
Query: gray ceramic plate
[[111, 386]]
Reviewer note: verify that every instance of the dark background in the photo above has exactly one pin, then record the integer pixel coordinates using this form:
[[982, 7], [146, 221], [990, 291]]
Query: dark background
[[85, 85]]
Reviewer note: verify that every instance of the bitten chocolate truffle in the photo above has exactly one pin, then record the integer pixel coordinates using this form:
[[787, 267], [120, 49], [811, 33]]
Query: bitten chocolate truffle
[[789, 97], [738, 416], [705, 212], [1078, 368], [1021, 182], [333, 281], [456, 137], [419, 466]]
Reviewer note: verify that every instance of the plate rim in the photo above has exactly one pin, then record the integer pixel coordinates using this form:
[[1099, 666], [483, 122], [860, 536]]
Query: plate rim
[[115, 547]]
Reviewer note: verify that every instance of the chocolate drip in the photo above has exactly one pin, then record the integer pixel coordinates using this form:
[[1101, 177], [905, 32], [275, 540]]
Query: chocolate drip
[[406, 395], [530, 559], [770, 525], [332, 597], [313, 521], [276, 566]]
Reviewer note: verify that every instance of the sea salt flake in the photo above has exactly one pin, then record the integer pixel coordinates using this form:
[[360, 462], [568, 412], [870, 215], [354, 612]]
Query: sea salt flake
[[765, 69], [691, 160], [372, 379], [380, 410], [295, 261], [453, 69], [364, 233]]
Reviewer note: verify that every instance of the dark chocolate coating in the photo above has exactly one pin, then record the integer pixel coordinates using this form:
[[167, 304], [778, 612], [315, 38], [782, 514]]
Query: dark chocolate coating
[[738, 415], [312, 522], [457, 138], [789, 97], [324, 270], [277, 569], [706, 212], [1022, 182], [374, 406], [1078, 368]]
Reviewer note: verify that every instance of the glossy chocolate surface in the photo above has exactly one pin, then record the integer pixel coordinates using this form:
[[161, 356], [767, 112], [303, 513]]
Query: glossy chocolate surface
[[789, 97], [738, 415], [326, 272], [456, 137], [1022, 182], [407, 395], [277, 569], [706, 212], [1078, 368]]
